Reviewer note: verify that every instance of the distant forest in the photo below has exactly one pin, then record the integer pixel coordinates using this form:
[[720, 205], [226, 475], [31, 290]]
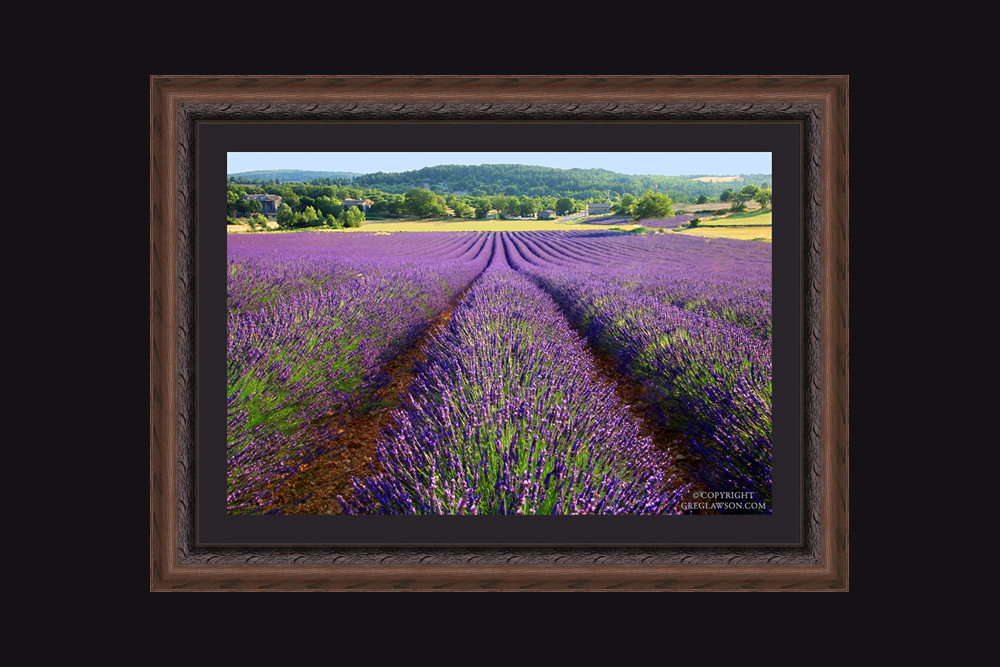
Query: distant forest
[[291, 175], [511, 180], [519, 179]]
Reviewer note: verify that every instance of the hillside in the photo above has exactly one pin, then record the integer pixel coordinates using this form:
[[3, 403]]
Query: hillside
[[519, 179], [288, 175]]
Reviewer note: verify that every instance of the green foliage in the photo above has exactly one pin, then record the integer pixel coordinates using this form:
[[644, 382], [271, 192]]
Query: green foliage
[[232, 201], [307, 218], [352, 217], [626, 206], [763, 197], [537, 181], [285, 215], [326, 206], [250, 207], [654, 205], [423, 203], [740, 198], [702, 199], [695, 222], [529, 206]]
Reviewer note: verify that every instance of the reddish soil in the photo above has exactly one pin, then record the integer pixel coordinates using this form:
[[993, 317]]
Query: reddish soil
[[666, 440], [330, 475]]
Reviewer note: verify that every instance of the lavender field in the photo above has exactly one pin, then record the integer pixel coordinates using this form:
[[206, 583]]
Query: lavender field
[[508, 410]]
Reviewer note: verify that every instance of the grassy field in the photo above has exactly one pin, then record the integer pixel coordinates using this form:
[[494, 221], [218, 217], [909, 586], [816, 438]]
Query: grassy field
[[751, 226], [743, 233], [693, 208], [762, 218], [473, 226], [389, 226]]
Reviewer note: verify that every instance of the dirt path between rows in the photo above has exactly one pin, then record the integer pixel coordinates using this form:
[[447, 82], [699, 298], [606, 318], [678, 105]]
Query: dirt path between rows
[[321, 481], [666, 440], [330, 475]]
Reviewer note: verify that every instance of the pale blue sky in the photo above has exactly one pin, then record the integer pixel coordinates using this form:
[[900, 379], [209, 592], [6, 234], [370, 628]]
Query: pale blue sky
[[661, 164]]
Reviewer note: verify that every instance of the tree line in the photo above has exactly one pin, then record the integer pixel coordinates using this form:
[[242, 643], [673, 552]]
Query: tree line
[[316, 204], [535, 181]]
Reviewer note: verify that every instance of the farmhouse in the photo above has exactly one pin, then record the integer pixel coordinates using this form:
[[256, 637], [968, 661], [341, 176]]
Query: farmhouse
[[599, 209], [545, 215], [268, 203], [363, 204]]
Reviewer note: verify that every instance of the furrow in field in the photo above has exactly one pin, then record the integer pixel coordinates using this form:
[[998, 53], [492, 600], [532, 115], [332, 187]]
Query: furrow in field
[[704, 365], [509, 415], [316, 323]]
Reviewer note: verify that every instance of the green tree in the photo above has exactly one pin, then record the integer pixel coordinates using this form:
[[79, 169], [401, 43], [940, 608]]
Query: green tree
[[743, 196], [327, 206], [529, 206], [352, 217], [500, 203], [285, 215], [291, 198], [702, 199], [626, 206], [251, 207], [308, 218], [727, 195], [461, 209], [763, 197], [422, 203], [567, 205], [482, 206], [654, 205], [232, 201]]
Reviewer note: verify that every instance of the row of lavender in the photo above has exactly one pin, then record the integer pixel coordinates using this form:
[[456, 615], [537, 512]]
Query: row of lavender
[[689, 318], [508, 416], [312, 318]]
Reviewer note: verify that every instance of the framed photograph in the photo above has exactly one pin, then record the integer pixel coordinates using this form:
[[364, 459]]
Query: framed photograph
[[198, 125]]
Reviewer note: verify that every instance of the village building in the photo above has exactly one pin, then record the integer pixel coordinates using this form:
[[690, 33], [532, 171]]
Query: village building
[[599, 209], [545, 215], [363, 204], [268, 203]]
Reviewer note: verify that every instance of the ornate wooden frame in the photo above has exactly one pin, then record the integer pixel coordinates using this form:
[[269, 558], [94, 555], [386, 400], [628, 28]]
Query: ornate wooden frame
[[819, 102]]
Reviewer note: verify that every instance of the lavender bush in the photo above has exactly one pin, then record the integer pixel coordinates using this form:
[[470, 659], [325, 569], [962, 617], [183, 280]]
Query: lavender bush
[[693, 325], [312, 319], [508, 417]]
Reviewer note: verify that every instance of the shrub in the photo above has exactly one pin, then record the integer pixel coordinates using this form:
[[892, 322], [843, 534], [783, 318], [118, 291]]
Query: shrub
[[694, 222]]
